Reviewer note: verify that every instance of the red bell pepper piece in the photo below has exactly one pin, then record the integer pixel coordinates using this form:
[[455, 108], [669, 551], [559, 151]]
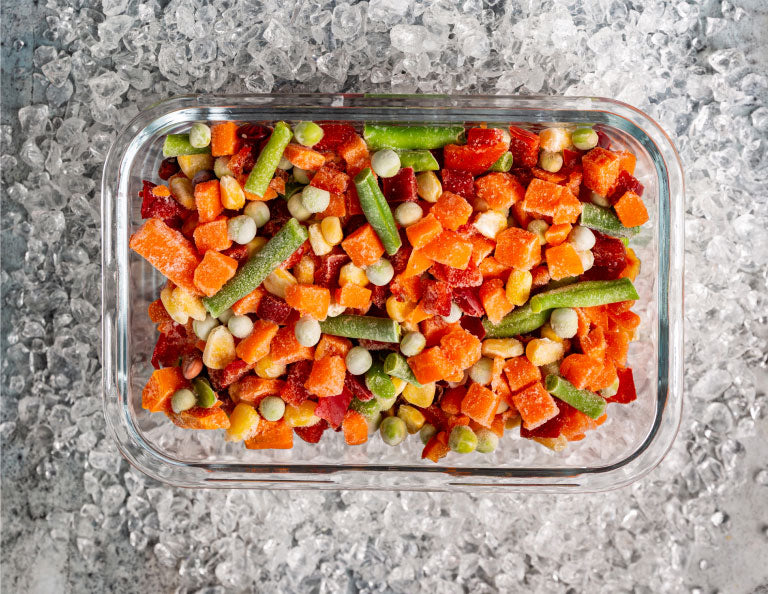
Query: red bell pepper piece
[[401, 187], [525, 147]]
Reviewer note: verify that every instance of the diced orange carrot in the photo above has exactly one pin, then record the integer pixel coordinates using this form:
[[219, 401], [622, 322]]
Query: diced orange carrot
[[556, 178], [598, 315], [627, 161], [482, 247], [156, 396], [557, 234], [521, 215], [575, 181], [224, 139], [461, 348], [580, 370], [498, 383], [417, 264], [451, 210], [332, 345], [499, 190], [494, 299], [492, 268], [208, 200], [451, 401], [632, 266], [593, 344], [480, 404], [158, 314], [213, 272], [252, 389], [430, 365], [498, 426], [583, 322], [575, 424], [285, 348], [449, 248], [626, 321], [457, 375], [518, 249], [619, 307], [249, 303], [631, 210], [411, 287], [355, 154], [330, 179], [563, 261], [455, 420], [423, 231], [600, 170], [605, 377], [257, 344], [437, 447], [172, 254], [539, 276], [363, 246], [311, 300], [336, 207], [353, 296], [435, 328], [271, 435], [535, 405], [520, 373], [355, 428], [417, 315], [616, 347], [326, 377], [551, 200], [303, 157], [212, 236], [200, 418]]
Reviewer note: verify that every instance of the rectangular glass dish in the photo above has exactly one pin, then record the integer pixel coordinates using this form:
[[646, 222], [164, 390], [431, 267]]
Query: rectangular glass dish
[[632, 441]]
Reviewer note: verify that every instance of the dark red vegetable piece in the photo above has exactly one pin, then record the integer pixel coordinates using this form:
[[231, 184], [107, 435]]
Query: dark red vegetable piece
[[237, 252], [327, 271], [484, 137], [458, 182], [603, 140], [243, 160], [313, 433], [332, 408], [474, 326], [550, 429], [401, 257], [161, 207], [401, 187], [525, 147], [437, 298], [626, 392], [221, 378], [454, 277], [170, 346], [357, 387], [294, 392], [334, 135], [468, 301], [168, 167], [273, 309], [379, 296], [625, 182], [397, 289], [524, 175], [571, 158], [609, 258], [253, 133], [435, 416]]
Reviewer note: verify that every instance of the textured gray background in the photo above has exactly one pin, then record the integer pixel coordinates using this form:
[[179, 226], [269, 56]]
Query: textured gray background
[[75, 518]]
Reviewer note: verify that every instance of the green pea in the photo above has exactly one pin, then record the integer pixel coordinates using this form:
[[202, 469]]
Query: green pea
[[462, 440], [393, 431], [200, 135], [427, 432], [487, 441], [182, 400], [272, 408], [308, 133], [584, 138]]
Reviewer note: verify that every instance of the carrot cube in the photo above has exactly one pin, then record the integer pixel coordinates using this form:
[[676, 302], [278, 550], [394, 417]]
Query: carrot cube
[[480, 404], [417, 264], [600, 170], [437, 447], [156, 396], [535, 405], [285, 348], [593, 344], [249, 303], [563, 261], [353, 296], [492, 268], [520, 373], [212, 236], [430, 365], [257, 344], [616, 347], [224, 139], [355, 428], [208, 200], [423, 231], [332, 345], [626, 321], [521, 215], [451, 210], [201, 418], [631, 210], [627, 161], [310, 300], [451, 401], [449, 248], [461, 348], [329, 179], [303, 157], [172, 254], [597, 315], [213, 271], [547, 199], [326, 377], [518, 249], [355, 153], [632, 266], [557, 234], [605, 377], [158, 315], [417, 315], [482, 247], [336, 207], [407, 288], [252, 389], [363, 246], [494, 299], [435, 328], [499, 190], [271, 435], [580, 370]]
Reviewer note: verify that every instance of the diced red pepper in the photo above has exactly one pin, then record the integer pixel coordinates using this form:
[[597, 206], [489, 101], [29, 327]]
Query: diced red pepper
[[609, 258], [294, 258], [332, 408], [525, 147], [243, 160], [221, 378], [473, 159], [401, 187], [474, 326], [455, 277], [626, 183], [626, 391], [603, 140], [484, 137], [468, 301], [379, 295], [237, 252], [253, 133], [294, 392], [327, 272], [170, 346], [273, 309], [334, 135], [357, 387], [168, 167], [458, 182], [401, 257], [437, 298], [313, 433], [160, 206]]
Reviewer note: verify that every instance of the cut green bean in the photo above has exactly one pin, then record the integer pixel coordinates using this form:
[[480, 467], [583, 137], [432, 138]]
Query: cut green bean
[[365, 327], [585, 294], [395, 364], [421, 160], [379, 136], [179, 144], [583, 400], [379, 383], [277, 250], [268, 160], [604, 220], [377, 211], [205, 394], [369, 408], [519, 321], [504, 163]]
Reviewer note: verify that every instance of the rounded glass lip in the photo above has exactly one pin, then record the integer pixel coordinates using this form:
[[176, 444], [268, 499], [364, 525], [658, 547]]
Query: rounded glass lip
[[357, 107]]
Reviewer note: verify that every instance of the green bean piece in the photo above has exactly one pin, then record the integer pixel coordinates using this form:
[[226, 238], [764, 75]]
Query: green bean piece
[[379, 136], [268, 160], [377, 211], [585, 294], [366, 327], [179, 144], [379, 383], [504, 163], [277, 250], [604, 220], [520, 321], [583, 400], [421, 160], [395, 364], [204, 392], [369, 408]]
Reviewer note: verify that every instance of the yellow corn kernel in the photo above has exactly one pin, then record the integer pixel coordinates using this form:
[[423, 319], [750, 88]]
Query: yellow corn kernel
[[243, 422], [542, 351], [182, 305], [546, 331], [191, 164], [220, 348], [332, 230], [421, 397], [256, 244], [557, 444], [429, 186], [398, 310], [490, 223], [554, 140], [266, 369], [412, 417], [513, 422], [304, 271], [233, 196], [278, 281], [501, 347], [181, 190], [351, 274], [302, 415], [399, 384], [319, 245], [518, 287]]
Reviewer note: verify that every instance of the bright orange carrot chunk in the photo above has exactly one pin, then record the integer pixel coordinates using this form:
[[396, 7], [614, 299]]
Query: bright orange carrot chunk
[[213, 271], [249, 303], [449, 248], [201, 418], [353, 296], [355, 428], [593, 344], [627, 161], [417, 264], [303, 157], [363, 246], [605, 377], [252, 389], [461, 348], [535, 405], [208, 200], [326, 377], [451, 210], [172, 254], [435, 328], [332, 345], [285, 348], [518, 249], [547, 199], [271, 435], [631, 210], [336, 207], [156, 396], [632, 266], [430, 365], [423, 231], [451, 401], [494, 299], [480, 404], [600, 170], [212, 236], [557, 234], [616, 346], [158, 315], [311, 300], [329, 179], [499, 190], [492, 268], [580, 370], [563, 261], [355, 153], [257, 344], [437, 447], [520, 373], [224, 139]]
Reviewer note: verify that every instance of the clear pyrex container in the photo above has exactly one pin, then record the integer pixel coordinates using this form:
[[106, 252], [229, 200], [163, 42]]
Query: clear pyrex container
[[631, 442]]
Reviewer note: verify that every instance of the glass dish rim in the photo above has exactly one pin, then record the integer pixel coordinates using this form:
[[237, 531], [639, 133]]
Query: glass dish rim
[[670, 298]]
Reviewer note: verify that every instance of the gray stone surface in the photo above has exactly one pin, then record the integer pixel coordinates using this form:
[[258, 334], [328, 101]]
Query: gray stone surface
[[76, 518]]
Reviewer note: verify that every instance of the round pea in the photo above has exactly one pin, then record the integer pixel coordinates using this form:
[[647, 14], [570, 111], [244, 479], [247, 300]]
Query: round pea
[[202, 328], [297, 209], [427, 432], [408, 213], [462, 440], [393, 431], [182, 400], [240, 326], [206, 396], [480, 372], [241, 229], [581, 238], [308, 133], [380, 272], [412, 344], [551, 162], [258, 211], [584, 138], [358, 360], [222, 166], [314, 199], [454, 314], [487, 441], [200, 135], [385, 163], [307, 331], [225, 316], [272, 408], [564, 322]]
